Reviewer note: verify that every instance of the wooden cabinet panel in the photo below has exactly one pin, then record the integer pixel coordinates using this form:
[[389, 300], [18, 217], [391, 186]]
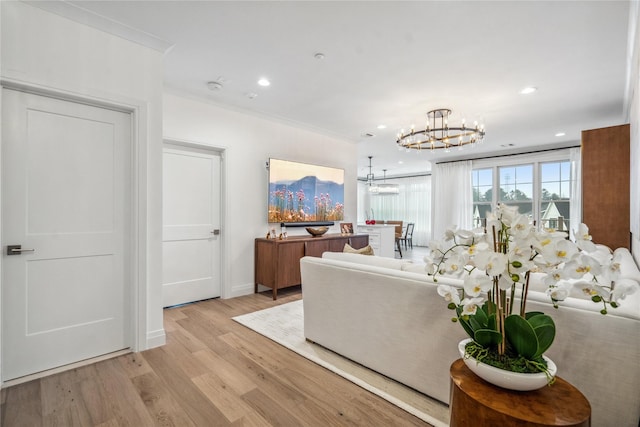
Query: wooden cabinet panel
[[317, 247], [277, 262], [605, 185]]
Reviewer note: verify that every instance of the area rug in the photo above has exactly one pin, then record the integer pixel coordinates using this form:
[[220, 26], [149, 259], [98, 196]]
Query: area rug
[[284, 324]]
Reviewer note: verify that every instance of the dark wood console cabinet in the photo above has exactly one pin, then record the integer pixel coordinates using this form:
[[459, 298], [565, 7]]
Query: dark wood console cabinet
[[277, 262]]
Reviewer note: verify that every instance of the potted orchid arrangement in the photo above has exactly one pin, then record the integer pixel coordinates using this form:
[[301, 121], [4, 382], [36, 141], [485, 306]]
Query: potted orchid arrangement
[[497, 263]]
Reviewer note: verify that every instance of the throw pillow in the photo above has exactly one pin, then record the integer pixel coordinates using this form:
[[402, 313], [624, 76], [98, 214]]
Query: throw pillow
[[367, 250]]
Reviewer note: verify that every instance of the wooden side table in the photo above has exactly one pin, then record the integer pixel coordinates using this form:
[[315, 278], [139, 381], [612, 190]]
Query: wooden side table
[[475, 402]]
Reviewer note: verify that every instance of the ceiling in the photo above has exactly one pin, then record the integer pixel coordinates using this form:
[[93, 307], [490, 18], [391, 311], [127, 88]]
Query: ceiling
[[389, 62]]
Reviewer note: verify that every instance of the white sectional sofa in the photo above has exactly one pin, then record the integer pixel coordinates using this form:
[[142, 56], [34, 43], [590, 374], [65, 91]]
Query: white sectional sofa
[[386, 314]]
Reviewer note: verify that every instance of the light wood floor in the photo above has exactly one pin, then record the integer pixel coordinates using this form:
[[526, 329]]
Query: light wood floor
[[212, 372]]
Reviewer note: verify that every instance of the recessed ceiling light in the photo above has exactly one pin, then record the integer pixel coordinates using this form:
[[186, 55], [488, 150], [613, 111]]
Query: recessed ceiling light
[[528, 90], [214, 85], [382, 126], [264, 82], [560, 134], [319, 55], [400, 162]]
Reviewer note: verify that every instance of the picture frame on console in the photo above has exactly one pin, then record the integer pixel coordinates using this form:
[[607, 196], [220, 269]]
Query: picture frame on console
[[346, 228]]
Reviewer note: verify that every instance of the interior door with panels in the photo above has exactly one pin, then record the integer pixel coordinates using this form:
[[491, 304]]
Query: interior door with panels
[[66, 227], [191, 225]]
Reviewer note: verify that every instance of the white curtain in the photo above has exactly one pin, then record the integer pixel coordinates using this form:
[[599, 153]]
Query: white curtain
[[452, 197], [575, 201], [411, 205]]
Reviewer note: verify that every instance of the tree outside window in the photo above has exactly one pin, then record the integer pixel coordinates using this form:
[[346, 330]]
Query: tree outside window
[[516, 187]]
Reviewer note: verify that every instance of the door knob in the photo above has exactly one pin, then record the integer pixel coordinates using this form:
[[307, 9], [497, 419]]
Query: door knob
[[17, 250], [216, 232]]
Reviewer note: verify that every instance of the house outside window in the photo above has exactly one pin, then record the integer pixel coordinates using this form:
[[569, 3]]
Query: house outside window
[[482, 194], [555, 179], [540, 185]]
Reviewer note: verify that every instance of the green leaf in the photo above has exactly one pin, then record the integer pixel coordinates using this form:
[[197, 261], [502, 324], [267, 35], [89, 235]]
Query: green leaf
[[545, 331], [521, 335], [481, 317], [475, 324], [492, 324], [465, 324], [487, 337], [530, 314]]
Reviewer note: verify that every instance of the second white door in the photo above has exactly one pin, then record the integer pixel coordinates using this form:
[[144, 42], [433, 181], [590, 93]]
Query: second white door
[[191, 219]]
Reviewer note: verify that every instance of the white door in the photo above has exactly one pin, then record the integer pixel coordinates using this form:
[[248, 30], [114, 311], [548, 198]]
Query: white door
[[66, 171], [191, 232]]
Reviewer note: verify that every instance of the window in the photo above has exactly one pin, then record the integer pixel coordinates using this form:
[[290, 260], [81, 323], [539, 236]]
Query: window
[[555, 179], [540, 188], [482, 183], [516, 187]]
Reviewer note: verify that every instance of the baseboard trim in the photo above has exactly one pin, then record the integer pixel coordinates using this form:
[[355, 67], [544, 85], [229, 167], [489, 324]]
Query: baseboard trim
[[240, 290], [156, 338], [64, 368]]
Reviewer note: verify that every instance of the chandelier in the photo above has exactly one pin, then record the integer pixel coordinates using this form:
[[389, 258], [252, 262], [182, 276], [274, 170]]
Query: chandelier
[[439, 135], [380, 189]]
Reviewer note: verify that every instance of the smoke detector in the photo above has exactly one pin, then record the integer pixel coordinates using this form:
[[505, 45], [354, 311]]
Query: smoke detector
[[214, 85]]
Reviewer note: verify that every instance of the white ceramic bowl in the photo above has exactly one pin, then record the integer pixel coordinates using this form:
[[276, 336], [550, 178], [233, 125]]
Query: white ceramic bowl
[[507, 379]]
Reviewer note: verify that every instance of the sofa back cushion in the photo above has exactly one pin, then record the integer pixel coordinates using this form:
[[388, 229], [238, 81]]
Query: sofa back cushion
[[414, 268], [377, 261]]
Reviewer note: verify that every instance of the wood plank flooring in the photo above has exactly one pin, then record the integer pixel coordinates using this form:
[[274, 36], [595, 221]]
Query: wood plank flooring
[[212, 372]]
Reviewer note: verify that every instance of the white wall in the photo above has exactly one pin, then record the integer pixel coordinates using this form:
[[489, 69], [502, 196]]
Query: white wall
[[46, 52], [634, 120], [249, 141]]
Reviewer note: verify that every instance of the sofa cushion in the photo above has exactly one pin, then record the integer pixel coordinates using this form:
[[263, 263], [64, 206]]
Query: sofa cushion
[[367, 250], [414, 268], [375, 260]]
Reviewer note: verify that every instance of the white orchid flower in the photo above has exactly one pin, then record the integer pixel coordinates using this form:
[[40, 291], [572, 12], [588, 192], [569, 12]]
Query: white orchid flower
[[470, 305], [507, 214], [558, 292], [450, 232], [431, 268], [481, 246], [437, 248], [581, 266], [449, 293], [623, 288], [587, 288], [543, 239], [559, 251], [474, 284], [583, 238], [521, 248], [521, 227], [603, 291], [505, 282], [592, 289], [496, 264], [454, 264], [519, 264], [611, 269], [553, 277]]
